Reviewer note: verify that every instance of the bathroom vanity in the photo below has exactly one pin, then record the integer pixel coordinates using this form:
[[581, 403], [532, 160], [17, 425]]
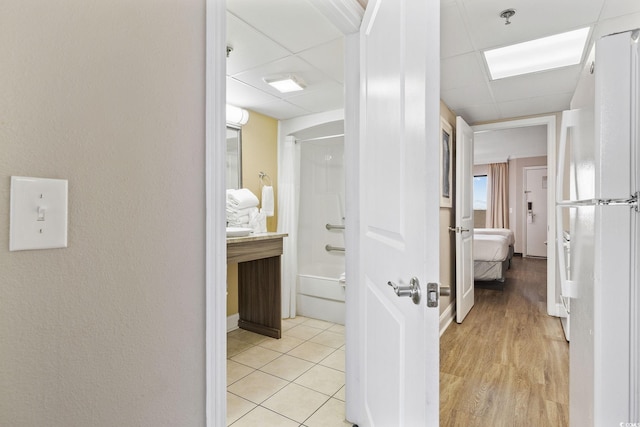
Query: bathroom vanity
[[259, 302]]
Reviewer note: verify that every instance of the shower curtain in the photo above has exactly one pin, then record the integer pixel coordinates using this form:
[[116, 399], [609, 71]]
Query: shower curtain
[[288, 197]]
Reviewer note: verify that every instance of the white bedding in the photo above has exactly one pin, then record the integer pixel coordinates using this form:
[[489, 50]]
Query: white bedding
[[497, 231], [488, 247]]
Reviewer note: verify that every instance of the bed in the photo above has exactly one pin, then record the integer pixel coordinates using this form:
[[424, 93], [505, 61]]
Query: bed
[[499, 232], [492, 253]]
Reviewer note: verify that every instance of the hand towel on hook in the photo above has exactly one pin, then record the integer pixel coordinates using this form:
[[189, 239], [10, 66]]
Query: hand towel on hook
[[267, 200]]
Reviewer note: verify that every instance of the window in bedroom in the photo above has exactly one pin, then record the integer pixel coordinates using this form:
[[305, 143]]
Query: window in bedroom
[[480, 193]]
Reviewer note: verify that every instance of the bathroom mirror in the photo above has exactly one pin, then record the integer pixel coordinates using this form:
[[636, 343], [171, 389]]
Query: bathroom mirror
[[234, 158]]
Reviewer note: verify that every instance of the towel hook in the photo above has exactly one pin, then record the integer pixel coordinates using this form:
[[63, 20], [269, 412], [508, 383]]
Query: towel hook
[[263, 178]]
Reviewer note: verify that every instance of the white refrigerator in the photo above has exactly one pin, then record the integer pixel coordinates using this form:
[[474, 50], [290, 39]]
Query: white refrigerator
[[599, 274]]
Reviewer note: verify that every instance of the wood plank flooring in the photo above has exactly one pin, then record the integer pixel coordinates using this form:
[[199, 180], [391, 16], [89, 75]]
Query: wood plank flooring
[[507, 364]]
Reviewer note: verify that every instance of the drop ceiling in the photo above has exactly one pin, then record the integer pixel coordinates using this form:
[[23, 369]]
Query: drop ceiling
[[283, 36]]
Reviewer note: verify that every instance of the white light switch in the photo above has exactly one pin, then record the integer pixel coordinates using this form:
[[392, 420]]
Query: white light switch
[[38, 218]]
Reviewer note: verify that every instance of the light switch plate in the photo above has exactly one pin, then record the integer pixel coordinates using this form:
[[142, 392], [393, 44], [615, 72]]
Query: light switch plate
[[38, 217]]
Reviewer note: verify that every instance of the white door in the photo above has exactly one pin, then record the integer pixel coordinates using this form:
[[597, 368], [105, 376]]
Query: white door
[[464, 219], [535, 200], [399, 207]]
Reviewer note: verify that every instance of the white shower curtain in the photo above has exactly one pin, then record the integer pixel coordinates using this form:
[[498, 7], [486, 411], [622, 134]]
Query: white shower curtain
[[288, 196]]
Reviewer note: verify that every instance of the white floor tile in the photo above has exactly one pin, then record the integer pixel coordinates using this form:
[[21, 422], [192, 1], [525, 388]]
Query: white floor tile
[[330, 339], [320, 378], [311, 351], [283, 345], [302, 332], [335, 360], [296, 402], [236, 371], [256, 357], [264, 418], [287, 367], [237, 407], [331, 414], [257, 386]]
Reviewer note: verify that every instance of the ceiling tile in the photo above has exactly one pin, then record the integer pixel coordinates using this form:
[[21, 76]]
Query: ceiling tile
[[280, 110], [467, 95], [478, 113], [331, 97], [531, 85], [615, 8], [461, 71], [454, 39], [296, 25], [243, 95], [329, 58], [313, 78], [250, 47], [538, 105], [533, 19]]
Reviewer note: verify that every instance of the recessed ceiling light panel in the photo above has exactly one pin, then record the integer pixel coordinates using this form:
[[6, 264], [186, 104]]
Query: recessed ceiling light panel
[[542, 54], [285, 84]]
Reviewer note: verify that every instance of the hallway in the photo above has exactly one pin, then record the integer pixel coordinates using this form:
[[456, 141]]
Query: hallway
[[507, 364]]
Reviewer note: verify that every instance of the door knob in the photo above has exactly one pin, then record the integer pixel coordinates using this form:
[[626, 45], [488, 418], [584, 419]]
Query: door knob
[[445, 291], [413, 290]]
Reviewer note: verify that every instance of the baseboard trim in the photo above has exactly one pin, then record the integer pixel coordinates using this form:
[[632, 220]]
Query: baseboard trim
[[232, 322], [447, 317]]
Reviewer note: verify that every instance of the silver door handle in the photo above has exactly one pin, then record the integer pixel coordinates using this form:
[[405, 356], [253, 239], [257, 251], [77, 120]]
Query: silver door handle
[[445, 291], [413, 290], [458, 229]]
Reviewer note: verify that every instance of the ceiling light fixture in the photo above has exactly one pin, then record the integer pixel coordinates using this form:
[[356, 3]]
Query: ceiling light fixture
[[543, 54], [285, 84]]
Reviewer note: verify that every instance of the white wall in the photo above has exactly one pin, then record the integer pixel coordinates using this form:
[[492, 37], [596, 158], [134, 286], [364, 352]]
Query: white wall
[[111, 330], [516, 192], [496, 146]]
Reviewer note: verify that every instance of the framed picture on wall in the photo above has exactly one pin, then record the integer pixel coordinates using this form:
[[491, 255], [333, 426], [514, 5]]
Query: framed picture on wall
[[446, 166]]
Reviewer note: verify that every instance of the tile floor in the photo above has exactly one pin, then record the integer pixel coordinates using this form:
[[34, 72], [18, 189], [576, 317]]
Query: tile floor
[[295, 381]]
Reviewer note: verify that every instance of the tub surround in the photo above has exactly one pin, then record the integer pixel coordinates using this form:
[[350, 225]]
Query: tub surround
[[259, 276]]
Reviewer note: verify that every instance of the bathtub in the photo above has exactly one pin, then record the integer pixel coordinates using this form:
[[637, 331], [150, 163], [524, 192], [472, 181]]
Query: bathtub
[[321, 298]]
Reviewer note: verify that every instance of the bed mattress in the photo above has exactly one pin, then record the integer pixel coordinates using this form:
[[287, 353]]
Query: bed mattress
[[488, 247], [497, 231]]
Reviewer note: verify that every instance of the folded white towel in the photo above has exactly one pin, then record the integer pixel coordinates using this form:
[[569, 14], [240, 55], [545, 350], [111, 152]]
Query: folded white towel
[[233, 213], [237, 221], [242, 198], [267, 200]]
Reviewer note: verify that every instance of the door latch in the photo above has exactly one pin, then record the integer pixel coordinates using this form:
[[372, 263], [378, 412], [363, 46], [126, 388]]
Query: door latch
[[433, 295]]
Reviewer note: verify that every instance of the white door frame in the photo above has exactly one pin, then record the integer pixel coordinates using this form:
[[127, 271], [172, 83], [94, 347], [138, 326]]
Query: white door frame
[[346, 15], [550, 122], [524, 204], [216, 247]]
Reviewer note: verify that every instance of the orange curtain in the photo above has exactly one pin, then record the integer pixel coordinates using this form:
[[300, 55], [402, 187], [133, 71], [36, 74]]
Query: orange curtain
[[498, 203]]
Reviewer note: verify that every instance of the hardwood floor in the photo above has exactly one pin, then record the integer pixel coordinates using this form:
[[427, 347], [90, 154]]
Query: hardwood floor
[[507, 364]]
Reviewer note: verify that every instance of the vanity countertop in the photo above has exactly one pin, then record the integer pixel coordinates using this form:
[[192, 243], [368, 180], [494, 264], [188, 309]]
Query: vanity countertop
[[253, 237]]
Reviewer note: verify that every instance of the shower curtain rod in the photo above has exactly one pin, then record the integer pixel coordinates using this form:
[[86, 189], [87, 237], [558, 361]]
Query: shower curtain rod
[[319, 138]]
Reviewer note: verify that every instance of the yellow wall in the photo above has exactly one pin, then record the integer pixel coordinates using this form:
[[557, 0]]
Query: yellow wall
[[259, 154], [447, 219]]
